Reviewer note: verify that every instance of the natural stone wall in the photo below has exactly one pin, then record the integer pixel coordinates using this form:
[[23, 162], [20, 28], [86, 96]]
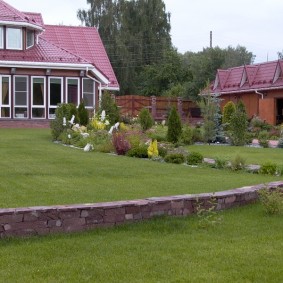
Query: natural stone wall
[[70, 218]]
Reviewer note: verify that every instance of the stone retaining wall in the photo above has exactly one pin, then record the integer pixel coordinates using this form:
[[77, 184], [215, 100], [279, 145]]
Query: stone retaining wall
[[69, 218]]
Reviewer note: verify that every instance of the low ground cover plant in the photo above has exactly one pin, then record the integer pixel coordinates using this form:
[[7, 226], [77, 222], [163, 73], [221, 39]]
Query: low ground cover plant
[[271, 200]]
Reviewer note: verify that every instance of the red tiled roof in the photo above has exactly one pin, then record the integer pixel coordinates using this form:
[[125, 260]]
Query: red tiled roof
[[10, 14], [45, 52], [249, 78], [85, 42], [36, 17]]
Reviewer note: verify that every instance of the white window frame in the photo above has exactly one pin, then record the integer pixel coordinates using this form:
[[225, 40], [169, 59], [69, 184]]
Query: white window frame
[[93, 93], [9, 94], [52, 116], [33, 106], [78, 92], [7, 39], [32, 31], [1, 37], [14, 97]]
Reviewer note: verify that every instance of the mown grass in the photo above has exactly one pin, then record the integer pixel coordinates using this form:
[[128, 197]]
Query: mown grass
[[34, 171], [246, 247], [252, 155]]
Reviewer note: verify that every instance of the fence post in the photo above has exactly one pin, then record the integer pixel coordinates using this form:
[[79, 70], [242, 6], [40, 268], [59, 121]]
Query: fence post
[[153, 106], [180, 106]]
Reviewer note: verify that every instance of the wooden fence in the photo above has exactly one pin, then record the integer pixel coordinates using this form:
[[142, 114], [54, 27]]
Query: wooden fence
[[159, 107]]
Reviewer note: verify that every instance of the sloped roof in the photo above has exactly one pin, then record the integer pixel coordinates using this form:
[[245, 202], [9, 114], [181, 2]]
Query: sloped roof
[[36, 17], [248, 78], [11, 15], [45, 52], [86, 43]]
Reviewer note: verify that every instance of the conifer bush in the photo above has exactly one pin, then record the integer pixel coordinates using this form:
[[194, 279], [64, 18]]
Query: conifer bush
[[174, 126], [110, 107], [145, 119], [83, 114]]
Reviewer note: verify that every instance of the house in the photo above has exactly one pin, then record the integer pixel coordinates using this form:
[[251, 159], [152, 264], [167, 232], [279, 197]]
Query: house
[[42, 66], [259, 86]]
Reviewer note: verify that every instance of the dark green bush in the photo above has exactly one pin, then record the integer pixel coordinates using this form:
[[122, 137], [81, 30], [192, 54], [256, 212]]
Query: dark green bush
[[176, 158], [220, 163], [110, 107], [197, 135], [268, 168], [162, 151], [238, 163], [83, 114], [272, 200], [194, 158], [145, 119], [138, 151], [174, 126]]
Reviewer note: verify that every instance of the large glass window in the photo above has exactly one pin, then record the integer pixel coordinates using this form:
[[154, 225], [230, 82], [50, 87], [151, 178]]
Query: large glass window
[[5, 95], [14, 38], [21, 97], [1, 38], [30, 38], [73, 91], [38, 97], [55, 91], [88, 93]]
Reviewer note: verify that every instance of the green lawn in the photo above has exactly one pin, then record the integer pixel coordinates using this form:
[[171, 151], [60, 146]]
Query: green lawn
[[246, 247], [35, 171], [251, 154]]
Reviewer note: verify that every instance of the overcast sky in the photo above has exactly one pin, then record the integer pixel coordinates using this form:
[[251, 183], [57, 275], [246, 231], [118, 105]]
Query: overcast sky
[[254, 24]]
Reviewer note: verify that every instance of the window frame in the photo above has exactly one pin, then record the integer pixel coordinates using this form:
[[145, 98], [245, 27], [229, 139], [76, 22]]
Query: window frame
[[26, 113], [93, 92], [78, 91], [51, 107], [27, 32], [7, 38], [35, 106], [9, 96], [1, 37]]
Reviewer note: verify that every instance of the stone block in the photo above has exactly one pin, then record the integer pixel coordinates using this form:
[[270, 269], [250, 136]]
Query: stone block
[[69, 214], [133, 209], [230, 199], [114, 211], [84, 213], [54, 223], [178, 204], [73, 224], [11, 218], [94, 219], [161, 207], [129, 216], [25, 225]]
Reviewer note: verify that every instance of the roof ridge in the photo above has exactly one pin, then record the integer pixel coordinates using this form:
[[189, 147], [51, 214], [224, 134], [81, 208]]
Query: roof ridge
[[20, 14]]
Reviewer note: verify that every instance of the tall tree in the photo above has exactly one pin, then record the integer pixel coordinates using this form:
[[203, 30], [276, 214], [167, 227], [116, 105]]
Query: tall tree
[[135, 33]]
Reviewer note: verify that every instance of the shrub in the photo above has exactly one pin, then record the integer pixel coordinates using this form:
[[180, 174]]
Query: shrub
[[176, 158], [194, 158], [120, 143], [152, 150], [228, 110], [139, 151], [109, 106], [280, 143], [263, 138], [220, 163], [162, 151], [238, 163], [187, 135], [61, 112], [268, 168], [145, 119], [272, 200], [197, 135], [174, 126], [83, 114]]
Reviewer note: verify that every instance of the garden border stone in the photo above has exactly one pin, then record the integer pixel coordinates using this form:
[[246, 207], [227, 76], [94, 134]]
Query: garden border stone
[[43, 220]]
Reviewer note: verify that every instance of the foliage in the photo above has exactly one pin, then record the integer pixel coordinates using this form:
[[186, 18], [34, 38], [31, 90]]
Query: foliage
[[62, 111], [272, 200], [220, 163], [208, 216], [228, 110], [100, 121], [238, 126], [158, 132], [108, 105], [152, 150], [139, 151], [210, 109], [174, 126], [145, 119], [83, 114], [120, 143], [187, 135], [135, 34], [162, 150], [197, 135], [176, 158], [238, 163], [268, 168], [263, 138], [194, 158]]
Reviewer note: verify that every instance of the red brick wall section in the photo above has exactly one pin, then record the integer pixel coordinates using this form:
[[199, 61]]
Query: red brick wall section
[[72, 218]]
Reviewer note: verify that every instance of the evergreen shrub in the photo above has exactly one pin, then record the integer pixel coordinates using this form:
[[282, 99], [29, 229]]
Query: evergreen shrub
[[194, 158], [146, 120], [174, 126], [176, 158]]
